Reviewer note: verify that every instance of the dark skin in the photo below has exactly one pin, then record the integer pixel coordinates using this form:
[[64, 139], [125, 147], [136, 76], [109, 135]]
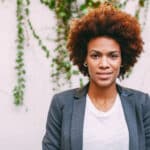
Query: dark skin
[[103, 61], [102, 98]]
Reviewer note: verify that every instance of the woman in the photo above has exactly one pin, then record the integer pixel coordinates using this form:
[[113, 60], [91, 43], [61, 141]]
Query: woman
[[104, 44]]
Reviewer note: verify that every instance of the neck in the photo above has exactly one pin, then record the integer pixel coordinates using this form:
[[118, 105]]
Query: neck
[[102, 97], [102, 93]]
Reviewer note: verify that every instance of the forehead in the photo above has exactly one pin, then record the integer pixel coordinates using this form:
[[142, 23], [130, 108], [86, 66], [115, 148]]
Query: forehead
[[103, 44]]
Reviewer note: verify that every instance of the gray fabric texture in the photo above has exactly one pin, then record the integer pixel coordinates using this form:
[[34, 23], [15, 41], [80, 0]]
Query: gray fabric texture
[[64, 128]]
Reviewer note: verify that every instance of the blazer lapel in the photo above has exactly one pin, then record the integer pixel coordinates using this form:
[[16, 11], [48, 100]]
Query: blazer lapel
[[130, 113], [78, 119]]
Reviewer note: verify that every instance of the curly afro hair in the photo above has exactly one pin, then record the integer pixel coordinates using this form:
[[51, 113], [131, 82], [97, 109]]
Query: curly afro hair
[[108, 21]]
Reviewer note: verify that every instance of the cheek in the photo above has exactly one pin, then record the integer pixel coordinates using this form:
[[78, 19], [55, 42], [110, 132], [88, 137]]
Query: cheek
[[117, 68], [91, 69]]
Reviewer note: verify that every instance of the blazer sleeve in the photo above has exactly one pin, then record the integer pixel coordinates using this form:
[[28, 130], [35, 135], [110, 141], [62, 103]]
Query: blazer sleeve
[[51, 140], [146, 121]]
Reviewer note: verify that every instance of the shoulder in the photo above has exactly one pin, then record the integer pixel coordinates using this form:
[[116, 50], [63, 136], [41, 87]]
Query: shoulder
[[59, 101], [67, 93], [64, 97], [129, 91], [138, 96], [134, 91]]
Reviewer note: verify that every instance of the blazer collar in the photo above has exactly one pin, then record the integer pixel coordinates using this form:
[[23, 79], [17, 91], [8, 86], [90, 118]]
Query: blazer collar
[[83, 91], [127, 99], [78, 118], [80, 92]]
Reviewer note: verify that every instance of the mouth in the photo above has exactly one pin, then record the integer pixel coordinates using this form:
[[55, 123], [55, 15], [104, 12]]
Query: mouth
[[104, 75]]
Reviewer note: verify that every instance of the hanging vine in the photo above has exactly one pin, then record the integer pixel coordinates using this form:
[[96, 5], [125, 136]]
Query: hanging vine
[[23, 21], [142, 4], [62, 68], [64, 11], [18, 91]]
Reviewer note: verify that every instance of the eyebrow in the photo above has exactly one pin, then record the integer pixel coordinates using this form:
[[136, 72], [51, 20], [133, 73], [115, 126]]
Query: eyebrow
[[112, 51]]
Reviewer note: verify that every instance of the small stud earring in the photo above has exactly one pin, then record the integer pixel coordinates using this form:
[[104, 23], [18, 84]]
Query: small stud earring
[[85, 64]]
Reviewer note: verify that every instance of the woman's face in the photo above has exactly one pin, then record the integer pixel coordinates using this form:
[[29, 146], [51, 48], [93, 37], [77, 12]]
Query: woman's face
[[103, 61]]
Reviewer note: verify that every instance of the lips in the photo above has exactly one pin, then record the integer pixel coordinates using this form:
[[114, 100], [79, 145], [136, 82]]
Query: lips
[[104, 75]]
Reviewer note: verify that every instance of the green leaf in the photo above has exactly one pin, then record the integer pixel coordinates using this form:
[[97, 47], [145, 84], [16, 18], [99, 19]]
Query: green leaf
[[81, 82], [75, 72], [20, 18], [28, 2], [141, 3], [84, 8], [20, 54], [23, 86], [20, 47], [18, 60], [68, 75], [21, 80], [23, 72], [19, 2], [27, 11], [62, 14], [52, 4], [20, 28]]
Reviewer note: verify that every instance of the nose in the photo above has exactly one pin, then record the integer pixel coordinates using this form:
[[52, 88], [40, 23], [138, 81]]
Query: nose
[[103, 63]]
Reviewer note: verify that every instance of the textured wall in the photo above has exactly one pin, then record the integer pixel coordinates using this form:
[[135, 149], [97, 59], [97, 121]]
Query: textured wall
[[22, 128], [140, 77]]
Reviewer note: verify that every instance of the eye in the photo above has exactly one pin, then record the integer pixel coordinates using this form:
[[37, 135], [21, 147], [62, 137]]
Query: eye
[[94, 56], [114, 55]]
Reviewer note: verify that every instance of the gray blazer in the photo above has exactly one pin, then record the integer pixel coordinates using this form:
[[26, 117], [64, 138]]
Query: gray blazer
[[64, 129]]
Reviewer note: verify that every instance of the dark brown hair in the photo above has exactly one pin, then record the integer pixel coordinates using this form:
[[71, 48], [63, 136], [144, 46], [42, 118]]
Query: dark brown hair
[[105, 21]]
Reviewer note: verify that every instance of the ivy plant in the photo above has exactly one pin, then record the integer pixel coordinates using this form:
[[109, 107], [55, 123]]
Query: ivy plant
[[23, 21], [18, 91], [62, 68], [64, 11]]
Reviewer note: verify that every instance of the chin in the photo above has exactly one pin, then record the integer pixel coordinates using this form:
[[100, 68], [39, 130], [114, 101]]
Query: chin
[[104, 84]]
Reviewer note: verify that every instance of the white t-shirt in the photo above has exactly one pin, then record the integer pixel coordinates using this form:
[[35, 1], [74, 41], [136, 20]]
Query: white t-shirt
[[105, 130]]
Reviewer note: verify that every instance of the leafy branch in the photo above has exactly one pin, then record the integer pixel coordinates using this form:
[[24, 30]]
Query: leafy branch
[[65, 10], [18, 90], [62, 68], [37, 37], [22, 15]]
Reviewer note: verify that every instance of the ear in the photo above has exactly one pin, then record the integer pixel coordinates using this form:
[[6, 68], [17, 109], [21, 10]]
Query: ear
[[85, 64]]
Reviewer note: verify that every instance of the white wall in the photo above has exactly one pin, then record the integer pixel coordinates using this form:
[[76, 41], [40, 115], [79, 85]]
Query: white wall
[[140, 77], [22, 128]]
